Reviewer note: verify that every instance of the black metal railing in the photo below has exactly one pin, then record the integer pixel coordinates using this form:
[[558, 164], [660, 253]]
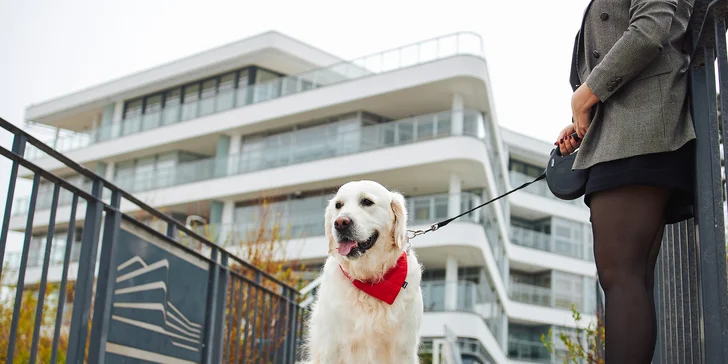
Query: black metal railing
[[138, 293], [691, 289]]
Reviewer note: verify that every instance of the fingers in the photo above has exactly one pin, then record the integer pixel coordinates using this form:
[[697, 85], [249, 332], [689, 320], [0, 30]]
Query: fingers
[[564, 133], [572, 143], [581, 124], [581, 131], [568, 145]]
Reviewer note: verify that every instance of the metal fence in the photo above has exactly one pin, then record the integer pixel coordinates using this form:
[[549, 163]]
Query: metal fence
[[138, 293], [691, 290]]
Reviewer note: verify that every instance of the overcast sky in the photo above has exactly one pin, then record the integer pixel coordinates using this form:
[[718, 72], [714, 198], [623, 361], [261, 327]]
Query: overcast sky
[[51, 48]]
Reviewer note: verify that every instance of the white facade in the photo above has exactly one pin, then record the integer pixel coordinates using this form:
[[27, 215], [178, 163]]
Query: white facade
[[271, 116]]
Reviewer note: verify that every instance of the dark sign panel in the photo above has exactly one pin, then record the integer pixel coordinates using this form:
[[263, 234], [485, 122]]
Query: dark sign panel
[[159, 301]]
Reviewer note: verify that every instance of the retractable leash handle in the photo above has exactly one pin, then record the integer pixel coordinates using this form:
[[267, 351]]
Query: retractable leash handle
[[564, 182]]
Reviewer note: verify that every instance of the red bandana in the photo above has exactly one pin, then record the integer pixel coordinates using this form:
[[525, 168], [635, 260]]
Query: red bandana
[[388, 288]]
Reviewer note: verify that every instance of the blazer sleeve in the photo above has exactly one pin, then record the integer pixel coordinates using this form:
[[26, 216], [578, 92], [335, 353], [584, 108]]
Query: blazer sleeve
[[649, 30]]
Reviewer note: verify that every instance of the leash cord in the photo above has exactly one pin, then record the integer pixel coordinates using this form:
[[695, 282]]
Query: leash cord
[[435, 226]]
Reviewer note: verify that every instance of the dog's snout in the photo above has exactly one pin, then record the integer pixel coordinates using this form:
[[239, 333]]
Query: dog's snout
[[342, 223]]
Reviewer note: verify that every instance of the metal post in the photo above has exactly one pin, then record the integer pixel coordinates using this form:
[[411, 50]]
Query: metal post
[[64, 277], [21, 271], [19, 149], [85, 276], [219, 329], [105, 282], [209, 334], [44, 275], [709, 213]]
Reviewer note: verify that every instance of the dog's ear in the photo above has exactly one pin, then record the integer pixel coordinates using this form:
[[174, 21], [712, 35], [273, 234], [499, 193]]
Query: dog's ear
[[399, 225]]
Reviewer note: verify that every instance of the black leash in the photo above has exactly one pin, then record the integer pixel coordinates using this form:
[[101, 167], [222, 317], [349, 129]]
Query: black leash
[[442, 223]]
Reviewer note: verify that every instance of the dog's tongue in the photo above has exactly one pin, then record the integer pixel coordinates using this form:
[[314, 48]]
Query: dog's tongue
[[345, 247]]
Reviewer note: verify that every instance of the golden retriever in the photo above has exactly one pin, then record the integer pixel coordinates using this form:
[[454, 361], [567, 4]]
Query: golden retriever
[[369, 304]]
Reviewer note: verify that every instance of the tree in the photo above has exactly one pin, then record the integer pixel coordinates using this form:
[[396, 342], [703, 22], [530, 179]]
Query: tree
[[263, 321], [577, 351], [26, 324]]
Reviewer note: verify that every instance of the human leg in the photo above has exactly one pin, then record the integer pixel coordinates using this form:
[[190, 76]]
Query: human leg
[[627, 223]]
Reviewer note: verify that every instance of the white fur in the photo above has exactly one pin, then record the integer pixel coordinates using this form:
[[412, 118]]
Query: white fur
[[347, 326]]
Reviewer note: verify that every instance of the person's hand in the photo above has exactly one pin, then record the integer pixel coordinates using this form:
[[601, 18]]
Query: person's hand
[[581, 103], [566, 142]]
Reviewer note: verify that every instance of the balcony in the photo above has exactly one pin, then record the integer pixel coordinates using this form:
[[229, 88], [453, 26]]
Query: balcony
[[546, 242], [463, 43], [471, 297], [526, 350], [304, 218], [539, 189], [531, 294], [566, 290], [468, 296], [300, 147]]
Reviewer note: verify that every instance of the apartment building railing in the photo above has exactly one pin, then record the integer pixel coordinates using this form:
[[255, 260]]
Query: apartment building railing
[[297, 223], [530, 293], [545, 242], [471, 297], [303, 148], [469, 348], [462, 43], [528, 351], [691, 290], [209, 305]]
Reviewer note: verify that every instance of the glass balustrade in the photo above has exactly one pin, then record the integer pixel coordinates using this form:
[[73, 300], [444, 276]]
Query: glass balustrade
[[305, 147], [546, 242], [562, 298], [530, 351], [531, 238], [530, 293], [291, 221], [464, 43], [468, 296]]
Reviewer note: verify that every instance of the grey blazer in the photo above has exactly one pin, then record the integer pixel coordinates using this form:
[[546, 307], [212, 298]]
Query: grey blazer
[[630, 54]]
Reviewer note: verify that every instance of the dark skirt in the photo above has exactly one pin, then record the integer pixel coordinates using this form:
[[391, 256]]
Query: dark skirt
[[674, 170]]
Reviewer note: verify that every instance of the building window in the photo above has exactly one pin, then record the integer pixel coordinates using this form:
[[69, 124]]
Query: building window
[[200, 98]]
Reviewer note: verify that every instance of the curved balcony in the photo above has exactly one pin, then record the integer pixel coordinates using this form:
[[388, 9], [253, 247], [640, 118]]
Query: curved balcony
[[547, 297], [304, 218], [463, 43], [530, 351], [471, 297], [548, 243], [301, 147]]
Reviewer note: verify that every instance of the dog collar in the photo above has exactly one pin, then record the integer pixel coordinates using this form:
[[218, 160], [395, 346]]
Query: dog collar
[[388, 288]]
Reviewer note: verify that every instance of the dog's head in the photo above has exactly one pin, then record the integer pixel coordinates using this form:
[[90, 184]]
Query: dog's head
[[366, 226]]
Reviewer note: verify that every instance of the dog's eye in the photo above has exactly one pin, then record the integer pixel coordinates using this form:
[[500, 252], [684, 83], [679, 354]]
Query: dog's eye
[[338, 205], [366, 202]]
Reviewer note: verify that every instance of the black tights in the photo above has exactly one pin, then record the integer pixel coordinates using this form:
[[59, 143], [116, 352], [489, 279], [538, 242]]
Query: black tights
[[628, 223]]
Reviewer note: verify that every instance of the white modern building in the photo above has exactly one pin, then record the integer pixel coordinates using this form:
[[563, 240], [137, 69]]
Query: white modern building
[[206, 137]]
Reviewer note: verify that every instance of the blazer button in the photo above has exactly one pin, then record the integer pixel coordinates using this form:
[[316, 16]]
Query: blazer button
[[619, 80], [595, 53], [604, 16], [610, 88]]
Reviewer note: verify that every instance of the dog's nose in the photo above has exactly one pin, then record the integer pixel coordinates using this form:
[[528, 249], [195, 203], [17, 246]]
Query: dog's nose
[[342, 223]]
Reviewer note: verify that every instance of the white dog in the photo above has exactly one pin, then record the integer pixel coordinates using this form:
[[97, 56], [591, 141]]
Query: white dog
[[369, 305]]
